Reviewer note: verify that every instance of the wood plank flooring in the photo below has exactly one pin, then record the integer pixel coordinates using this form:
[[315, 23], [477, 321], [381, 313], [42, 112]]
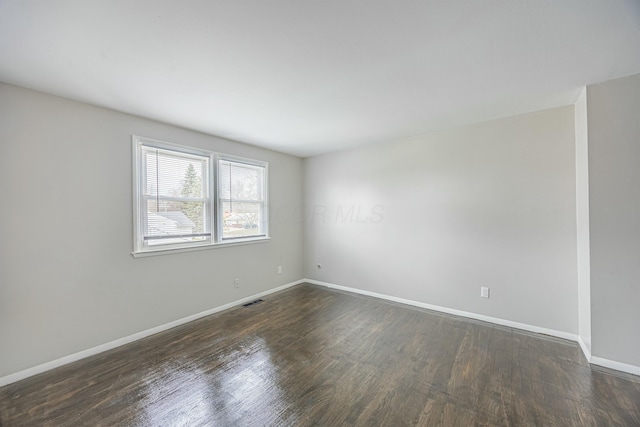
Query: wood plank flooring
[[310, 356]]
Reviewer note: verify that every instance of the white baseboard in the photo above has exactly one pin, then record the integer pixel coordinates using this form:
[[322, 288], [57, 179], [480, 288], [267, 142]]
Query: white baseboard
[[17, 376], [618, 366], [623, 367], [586, 349], [29, 372], [496, 320]]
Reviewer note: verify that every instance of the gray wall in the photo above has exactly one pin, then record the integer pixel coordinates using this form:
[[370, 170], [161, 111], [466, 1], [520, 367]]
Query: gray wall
[[614, 194], [435, 217], [67, 279], [430, 219]]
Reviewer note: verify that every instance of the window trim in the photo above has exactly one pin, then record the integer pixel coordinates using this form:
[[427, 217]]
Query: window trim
[[215, 216], [265, 199], [139, 244]]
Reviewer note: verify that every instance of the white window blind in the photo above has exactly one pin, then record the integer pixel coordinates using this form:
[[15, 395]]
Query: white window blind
[[242, 199], [176, 197]]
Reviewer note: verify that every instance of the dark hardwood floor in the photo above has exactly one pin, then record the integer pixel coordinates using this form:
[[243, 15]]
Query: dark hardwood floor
[[314, 356]]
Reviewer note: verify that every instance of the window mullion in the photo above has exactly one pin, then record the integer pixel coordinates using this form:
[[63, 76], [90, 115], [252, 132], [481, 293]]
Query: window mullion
[[214, 215]]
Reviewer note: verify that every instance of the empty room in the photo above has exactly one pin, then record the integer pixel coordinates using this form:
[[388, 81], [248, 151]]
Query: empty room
[[319, 213]]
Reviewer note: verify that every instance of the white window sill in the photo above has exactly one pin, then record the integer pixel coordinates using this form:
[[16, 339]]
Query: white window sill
[[168, 251]]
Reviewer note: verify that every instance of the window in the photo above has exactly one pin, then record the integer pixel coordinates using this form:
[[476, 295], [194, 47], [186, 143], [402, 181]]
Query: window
[[181, 203], [241, 192]]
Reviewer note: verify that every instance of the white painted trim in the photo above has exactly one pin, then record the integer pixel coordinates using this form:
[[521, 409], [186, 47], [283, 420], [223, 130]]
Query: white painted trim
[[215, 240], [167, 251], [585, 349], [26, 373], [496, 320], [618, 366]]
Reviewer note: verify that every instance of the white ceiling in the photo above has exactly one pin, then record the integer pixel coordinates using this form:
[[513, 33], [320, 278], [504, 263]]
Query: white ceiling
[[312, 76]]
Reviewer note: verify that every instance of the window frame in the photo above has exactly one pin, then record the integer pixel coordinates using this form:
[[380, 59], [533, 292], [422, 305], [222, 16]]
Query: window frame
[[220, 201], [213, 202]]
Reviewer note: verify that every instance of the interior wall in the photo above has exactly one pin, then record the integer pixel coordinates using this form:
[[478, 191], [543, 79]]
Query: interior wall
[[614, 198], [68, 281], [433, 218], [582, 218]]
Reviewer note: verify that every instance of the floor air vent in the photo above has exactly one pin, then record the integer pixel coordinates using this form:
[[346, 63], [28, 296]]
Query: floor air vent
[[258, 301]]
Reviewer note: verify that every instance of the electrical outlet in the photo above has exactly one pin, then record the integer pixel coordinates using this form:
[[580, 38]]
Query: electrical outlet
[[484, 292], [236, 283], [279, 269]]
